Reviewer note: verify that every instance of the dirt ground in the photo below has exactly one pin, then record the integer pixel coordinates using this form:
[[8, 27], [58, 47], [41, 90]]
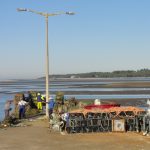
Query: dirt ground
[[36, 136]]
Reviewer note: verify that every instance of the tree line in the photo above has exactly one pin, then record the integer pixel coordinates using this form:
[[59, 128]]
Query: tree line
[[113, 74]]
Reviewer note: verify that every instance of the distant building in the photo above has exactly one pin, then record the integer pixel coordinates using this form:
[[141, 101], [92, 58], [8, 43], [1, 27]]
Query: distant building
[[73, 77]]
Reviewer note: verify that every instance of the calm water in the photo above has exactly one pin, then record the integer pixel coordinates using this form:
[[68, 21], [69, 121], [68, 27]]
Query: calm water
[[9, 88]]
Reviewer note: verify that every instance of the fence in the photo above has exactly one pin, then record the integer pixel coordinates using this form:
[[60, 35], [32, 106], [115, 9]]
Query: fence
[[107, 122]]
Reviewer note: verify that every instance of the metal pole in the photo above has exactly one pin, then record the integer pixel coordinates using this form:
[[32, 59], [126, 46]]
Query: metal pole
[[47, 67], [46, 15]]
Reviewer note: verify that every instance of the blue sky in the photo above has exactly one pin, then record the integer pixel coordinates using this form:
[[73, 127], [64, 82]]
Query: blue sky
[[104, 35]]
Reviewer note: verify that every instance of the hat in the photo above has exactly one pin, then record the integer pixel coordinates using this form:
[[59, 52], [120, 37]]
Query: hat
[[51, 98]]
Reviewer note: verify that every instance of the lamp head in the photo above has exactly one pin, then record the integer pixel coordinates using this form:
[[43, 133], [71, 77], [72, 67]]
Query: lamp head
[[22, 9], [70, 13]]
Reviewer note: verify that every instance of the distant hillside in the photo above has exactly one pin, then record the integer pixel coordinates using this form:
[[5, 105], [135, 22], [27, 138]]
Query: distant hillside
[[119, 73]]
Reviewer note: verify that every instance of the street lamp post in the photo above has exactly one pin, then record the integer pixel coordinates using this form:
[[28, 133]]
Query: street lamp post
[[46, 15]]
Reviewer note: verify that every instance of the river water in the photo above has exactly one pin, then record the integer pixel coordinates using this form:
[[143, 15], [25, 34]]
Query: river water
[[9, 88]]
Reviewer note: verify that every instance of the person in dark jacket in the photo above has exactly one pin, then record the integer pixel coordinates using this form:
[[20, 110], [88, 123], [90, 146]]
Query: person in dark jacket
[[30, 100]]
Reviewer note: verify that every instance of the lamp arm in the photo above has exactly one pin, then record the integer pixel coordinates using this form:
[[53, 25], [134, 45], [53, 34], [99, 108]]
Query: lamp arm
[[36, 12]]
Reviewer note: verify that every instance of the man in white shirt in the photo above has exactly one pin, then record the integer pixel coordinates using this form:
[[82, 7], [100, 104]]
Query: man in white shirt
[[21, 105]]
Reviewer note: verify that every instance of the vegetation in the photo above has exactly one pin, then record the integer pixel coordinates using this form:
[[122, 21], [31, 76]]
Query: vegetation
[[118, 73]]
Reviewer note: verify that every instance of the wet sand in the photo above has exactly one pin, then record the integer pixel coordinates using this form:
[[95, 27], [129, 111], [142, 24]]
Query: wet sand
[[112, 83]]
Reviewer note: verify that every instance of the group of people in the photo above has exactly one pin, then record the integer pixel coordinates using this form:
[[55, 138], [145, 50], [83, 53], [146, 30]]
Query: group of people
[[21, 108], [23, 102], [41, 100]]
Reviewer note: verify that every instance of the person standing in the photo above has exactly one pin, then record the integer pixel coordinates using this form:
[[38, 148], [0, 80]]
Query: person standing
[[7, 109], [21, 105], [30, 100], [39, 102], [51, 104]]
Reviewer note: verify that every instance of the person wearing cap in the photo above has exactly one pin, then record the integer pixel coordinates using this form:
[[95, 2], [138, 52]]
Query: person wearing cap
[[51, 104], [39, 101]]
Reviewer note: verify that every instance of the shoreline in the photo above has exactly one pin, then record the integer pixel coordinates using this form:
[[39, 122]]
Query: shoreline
[[106, 83]]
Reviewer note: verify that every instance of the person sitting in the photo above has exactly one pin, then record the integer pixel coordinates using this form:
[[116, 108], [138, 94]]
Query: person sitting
[[63, 121]]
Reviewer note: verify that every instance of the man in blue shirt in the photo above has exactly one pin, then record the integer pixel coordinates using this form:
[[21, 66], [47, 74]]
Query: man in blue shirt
[[51, 105]]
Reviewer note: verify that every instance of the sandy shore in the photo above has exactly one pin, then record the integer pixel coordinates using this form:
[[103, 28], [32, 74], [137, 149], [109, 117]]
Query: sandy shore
[[36, 136]]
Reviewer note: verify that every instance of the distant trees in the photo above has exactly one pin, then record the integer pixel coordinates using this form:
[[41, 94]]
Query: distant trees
[[118, 73]]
